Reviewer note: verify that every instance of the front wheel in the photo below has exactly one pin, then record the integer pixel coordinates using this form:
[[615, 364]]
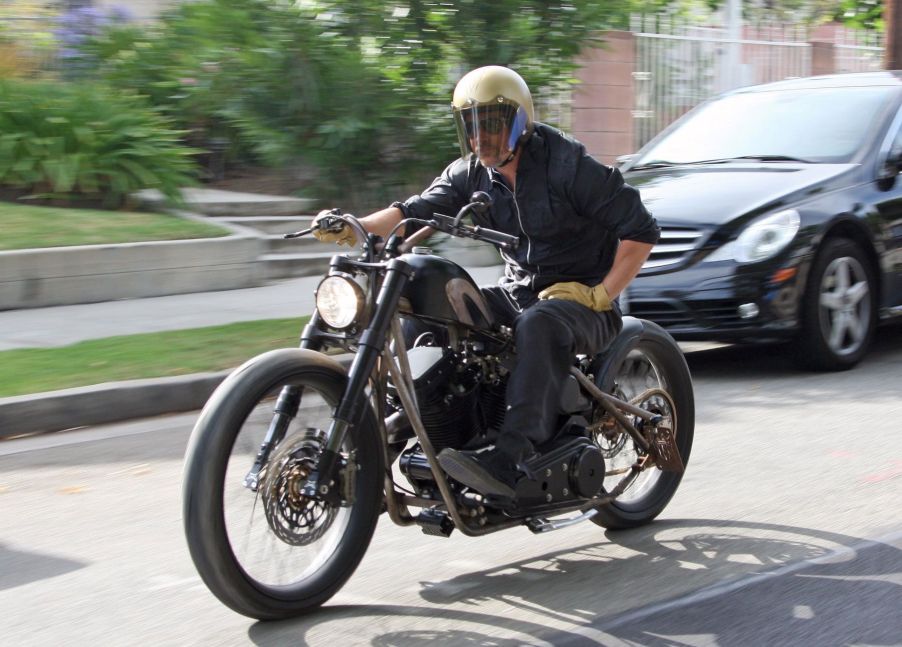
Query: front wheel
[[654, 376], [261, 544]]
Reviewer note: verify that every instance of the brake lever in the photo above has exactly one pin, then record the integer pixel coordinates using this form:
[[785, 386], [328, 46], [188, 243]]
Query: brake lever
[[298, 234]]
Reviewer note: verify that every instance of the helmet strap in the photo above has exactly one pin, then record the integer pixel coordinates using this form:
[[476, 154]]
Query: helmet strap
[[509, 158]]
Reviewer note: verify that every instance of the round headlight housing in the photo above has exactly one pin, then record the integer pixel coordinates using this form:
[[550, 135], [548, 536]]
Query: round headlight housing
[[340, 301]]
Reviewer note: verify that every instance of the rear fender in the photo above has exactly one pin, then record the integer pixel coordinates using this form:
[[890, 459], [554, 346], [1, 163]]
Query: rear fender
[[606, 362]]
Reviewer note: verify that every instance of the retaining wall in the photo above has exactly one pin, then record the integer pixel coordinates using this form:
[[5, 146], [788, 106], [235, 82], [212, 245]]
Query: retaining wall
[[36, 278]]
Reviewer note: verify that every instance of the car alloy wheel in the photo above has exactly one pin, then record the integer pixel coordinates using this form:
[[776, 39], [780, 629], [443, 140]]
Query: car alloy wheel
[[839, 307]]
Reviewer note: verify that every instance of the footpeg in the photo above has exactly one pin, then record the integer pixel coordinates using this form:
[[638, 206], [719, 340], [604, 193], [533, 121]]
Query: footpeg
[[435, 523]]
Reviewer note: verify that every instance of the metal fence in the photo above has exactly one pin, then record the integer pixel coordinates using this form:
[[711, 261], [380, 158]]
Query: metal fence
[[859, 51], [678, 65]]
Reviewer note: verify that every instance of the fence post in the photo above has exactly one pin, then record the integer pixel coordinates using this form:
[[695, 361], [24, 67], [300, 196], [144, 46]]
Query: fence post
[[603, 101], [823, 58]]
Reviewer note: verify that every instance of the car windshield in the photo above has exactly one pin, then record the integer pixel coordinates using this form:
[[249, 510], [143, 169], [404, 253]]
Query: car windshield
[[816, 125]]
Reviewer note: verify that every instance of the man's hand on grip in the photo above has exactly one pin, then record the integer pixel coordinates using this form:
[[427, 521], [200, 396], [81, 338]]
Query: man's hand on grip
[[595, 298], [329, 229]]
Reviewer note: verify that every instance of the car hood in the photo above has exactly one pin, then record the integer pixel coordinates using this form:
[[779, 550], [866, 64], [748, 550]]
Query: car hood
[[715, 195]]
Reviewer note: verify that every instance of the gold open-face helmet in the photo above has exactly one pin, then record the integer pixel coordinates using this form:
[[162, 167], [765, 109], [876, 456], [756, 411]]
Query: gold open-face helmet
[[493, 112]]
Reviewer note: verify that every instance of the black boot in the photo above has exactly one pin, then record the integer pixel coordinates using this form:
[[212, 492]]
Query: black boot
[[491, 472]]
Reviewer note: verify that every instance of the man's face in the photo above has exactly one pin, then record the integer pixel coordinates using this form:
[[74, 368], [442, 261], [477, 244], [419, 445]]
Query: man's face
[[488, 131]]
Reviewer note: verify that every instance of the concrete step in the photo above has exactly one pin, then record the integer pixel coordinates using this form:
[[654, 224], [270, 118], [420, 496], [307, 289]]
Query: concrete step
[[216, 203], [283, 266], [276, 244], [272, 224]]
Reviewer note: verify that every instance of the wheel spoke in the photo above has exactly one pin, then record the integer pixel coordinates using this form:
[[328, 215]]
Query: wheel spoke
[[837, 330], [283, 536], [857, 328], [843, 272], [857, 292]]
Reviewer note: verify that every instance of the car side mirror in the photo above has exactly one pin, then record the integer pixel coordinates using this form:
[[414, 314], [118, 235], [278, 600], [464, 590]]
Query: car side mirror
[[892, 166]]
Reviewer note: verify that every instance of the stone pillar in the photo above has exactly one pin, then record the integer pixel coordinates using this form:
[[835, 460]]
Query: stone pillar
[[603, 101], [823, 58], [892, 12]]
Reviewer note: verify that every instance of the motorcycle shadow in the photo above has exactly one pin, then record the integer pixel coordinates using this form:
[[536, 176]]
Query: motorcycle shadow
[[719, 579]]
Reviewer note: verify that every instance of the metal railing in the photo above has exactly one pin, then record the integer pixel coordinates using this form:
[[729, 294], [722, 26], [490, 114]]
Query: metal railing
[[678, 65]]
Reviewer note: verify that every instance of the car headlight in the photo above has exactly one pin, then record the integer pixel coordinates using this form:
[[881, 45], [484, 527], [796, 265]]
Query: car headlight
[[761, 239], [340, 301]]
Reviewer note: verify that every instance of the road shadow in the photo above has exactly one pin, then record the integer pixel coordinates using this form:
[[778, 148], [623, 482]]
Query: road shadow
[[610, 592], [18, 567]]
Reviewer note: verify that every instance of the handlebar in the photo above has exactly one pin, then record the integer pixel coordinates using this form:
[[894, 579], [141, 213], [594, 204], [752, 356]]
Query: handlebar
[[479, 204], [453, 227]]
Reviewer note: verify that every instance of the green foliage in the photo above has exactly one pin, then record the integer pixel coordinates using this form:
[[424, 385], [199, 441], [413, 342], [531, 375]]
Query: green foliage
[[359, 88], [30, 227], [864, 14], [131, 357], [87, 142]]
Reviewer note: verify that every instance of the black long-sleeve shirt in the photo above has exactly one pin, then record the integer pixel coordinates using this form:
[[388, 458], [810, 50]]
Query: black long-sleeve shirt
[[568, 211]]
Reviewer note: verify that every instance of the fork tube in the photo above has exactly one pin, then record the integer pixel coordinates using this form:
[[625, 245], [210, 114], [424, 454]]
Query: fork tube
[[370, 346], [285, 410]]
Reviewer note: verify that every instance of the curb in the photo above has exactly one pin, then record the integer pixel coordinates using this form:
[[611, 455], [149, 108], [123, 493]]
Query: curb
[[105, 403], [100, 404]]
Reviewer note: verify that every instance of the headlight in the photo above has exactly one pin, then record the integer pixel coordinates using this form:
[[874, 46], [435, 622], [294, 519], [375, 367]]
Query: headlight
[[340, 301], [761, 239]]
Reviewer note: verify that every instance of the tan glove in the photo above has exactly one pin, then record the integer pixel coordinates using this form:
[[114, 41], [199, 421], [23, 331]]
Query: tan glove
[[595, 298], [327, 234]]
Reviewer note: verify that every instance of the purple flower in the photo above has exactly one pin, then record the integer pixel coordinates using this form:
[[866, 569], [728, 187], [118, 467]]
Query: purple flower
[[78, 24]]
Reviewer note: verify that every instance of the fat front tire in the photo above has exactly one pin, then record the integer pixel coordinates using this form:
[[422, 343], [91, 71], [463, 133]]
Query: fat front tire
[[654, 362], [267, 551], [839, 310]]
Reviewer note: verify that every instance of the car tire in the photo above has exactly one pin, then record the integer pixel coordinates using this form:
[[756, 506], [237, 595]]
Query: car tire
[[839, 309]]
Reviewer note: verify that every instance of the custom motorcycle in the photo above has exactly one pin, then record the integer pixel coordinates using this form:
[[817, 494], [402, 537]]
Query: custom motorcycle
[[299, 451]]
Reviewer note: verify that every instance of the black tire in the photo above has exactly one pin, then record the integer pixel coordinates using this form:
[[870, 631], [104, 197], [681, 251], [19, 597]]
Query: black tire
[[255, 587], [654, 358], [838, 319]]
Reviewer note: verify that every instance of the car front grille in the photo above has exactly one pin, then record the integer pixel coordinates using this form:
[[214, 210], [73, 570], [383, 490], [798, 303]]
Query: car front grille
[[675, 244], [721, 314]]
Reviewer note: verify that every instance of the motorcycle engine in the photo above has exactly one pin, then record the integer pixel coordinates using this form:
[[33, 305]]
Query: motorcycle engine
[[455, 405]]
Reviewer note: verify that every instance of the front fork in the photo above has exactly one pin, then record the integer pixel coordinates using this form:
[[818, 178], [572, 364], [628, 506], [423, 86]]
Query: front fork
[[324, 484]]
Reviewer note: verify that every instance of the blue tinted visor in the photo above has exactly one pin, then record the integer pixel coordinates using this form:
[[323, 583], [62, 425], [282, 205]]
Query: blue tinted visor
[[491, 131]]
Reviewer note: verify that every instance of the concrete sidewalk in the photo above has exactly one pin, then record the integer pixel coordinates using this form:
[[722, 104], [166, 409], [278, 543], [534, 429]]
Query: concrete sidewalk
[[113, 402]]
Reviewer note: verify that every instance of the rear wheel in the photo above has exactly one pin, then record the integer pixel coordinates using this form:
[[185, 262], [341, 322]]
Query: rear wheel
[[264, 546], [655, 377]]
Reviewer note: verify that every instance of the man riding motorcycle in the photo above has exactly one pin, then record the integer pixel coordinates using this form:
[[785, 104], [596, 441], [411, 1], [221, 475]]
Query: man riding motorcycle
[[584, 235]]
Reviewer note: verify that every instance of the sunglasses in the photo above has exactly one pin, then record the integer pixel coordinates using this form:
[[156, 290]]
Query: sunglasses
[[488, 125]]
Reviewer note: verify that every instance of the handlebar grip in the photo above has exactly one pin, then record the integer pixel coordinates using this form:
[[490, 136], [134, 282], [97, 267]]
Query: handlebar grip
[[502, 240]]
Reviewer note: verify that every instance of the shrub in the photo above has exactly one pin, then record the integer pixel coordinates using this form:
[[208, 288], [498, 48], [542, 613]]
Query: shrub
[[359, 88], [87, 142]]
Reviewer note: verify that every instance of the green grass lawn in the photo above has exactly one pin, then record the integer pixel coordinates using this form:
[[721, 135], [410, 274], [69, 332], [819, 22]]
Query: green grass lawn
[[26, 227], [179, 352]]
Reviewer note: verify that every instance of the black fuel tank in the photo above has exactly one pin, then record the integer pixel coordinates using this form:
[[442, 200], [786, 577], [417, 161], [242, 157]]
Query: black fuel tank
[[442, 290]]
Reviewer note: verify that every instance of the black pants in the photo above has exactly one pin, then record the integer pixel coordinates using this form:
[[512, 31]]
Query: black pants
[[548, 334]]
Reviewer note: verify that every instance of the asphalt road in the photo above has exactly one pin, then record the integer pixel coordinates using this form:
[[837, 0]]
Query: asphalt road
[[787, 530]]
